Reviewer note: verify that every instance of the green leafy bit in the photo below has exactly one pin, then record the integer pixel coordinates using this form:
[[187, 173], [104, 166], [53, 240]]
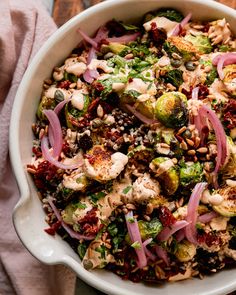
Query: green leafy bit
[[224, 48], [112, 229], [80, 205], [211, 76], [171, 14], [96, 197], [81, 249], [201, 42], [102, 250], [129, 27], [127, 189], [175, 77], [136, 245], [71, 77], [131, 220], [190, 174]]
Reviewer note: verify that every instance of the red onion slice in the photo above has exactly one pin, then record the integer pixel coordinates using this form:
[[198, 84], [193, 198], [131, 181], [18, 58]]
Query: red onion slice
[[135, 236], [224, 60], [55, 133], [89, 75], [73, 234], [60, 106], [192, 213], [180, 235], [124, 39], [48, 156], [195, 92], [140, 116], [167, 232], [161, 253], [88, 39], [207, 217], [102, 33], [181, 25], [221, 140], [149, 254]]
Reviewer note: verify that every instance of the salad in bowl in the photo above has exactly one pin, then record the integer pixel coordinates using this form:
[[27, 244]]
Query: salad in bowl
[[134, 155]]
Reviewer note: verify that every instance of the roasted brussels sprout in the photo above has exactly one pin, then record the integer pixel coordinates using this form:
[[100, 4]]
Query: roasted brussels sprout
[[228, 207], [229, 170], [149, 229], [181, 46], [190, 173], [77, 207], [166, 172], [45, 103], [185, 251], [117, 48], [229, 78], [200, 42], [171, 109]]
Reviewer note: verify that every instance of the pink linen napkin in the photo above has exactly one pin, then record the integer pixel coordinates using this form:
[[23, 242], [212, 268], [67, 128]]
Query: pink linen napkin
[[24, 27]]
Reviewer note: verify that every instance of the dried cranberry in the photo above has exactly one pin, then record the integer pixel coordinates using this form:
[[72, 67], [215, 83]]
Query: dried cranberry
[[64, 84], [209, 239], [158, 36], [89, 222], [165, 216], [37, 151], [229, 111], [53, 228], [85, 142]]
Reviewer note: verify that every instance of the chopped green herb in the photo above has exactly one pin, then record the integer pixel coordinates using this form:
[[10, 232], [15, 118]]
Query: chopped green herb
[[127, 189], [131, 220], [80, 205], [102, 250], [129, 27], [112, 229], [136, 245], [95, 197]]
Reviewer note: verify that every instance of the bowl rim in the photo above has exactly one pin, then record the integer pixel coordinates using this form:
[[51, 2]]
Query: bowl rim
[[14, 145]]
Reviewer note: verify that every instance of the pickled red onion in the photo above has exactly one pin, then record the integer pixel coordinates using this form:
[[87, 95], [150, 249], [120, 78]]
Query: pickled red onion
[[88, 39], [222, 60], [135, 236], [124, 38], [179, 26], [73, 234], [161, 253], [55, 132], [192, 212], [147, 251], [49, 157], [140, 116], [169, 231], [207, 217]]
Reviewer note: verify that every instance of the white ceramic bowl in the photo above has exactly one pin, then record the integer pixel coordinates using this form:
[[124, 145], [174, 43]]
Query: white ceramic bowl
[[28, 215]]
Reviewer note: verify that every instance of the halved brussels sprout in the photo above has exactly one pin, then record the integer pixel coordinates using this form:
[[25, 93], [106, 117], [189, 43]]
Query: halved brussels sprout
[[191, 173], [200, 42], [167, 173], [228, 207], [229, 169], [185, 251], [181, 46], [171, 109], [149, 229], [117, 48], [45, 103]]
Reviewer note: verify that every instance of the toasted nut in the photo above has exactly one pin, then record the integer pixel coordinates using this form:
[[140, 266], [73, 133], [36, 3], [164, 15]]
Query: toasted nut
[[130, 206], [147, 217], [45, 86], [191, 127], [149, 208], [183, 145], [56, 69], [191, 152], [197, 141], [164, 145], [72, 85], [48, 81], [31, 170], [195, 159], [202, 150], [174, 160], [208, 157], [181, 130], [190, 142], [125, 211]]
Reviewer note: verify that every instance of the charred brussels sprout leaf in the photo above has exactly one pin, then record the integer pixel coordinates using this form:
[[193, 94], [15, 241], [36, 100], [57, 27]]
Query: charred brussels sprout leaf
[[201, 42], [174, 77], [228, 207], [211, 76], [171, 109], [71, 77], [190, 174], [149, 229], [45, 103], [171, 14]]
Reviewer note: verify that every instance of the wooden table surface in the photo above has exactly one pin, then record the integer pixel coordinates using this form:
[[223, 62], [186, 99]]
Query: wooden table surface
[[66, 9]]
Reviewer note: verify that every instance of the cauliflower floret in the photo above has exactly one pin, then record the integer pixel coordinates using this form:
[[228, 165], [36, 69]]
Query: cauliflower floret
[[76, 181], [145, 188], [104, 166]]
